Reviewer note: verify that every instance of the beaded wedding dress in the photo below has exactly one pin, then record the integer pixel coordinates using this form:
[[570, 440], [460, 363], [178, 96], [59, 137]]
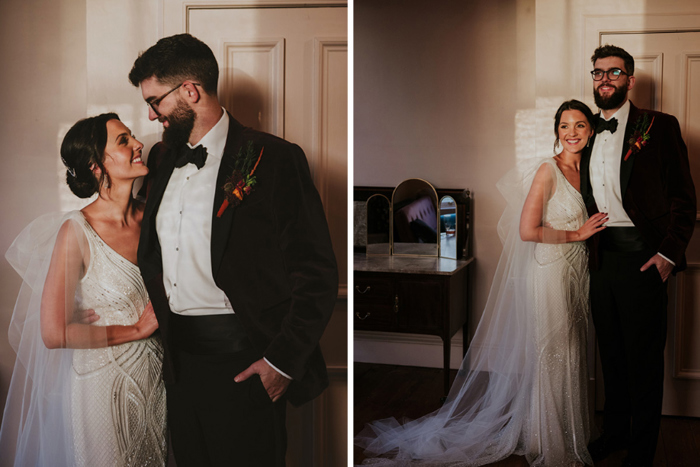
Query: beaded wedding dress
[[118, 397], [521, 388], [94, 407]]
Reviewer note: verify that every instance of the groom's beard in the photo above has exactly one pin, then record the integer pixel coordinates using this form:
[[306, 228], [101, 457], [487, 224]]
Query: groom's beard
[[612, 101], [180, 125]]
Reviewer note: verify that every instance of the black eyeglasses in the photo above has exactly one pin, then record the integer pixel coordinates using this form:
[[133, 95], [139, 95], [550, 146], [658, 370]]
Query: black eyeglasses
[[154, 103], [613, 74]]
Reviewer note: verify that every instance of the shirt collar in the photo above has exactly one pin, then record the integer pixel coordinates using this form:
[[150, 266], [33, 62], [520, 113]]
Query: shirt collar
[[622, 114], [215, 139]]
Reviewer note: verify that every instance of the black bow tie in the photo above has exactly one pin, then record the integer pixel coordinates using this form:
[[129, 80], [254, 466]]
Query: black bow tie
[[610, 125], [196, 156]]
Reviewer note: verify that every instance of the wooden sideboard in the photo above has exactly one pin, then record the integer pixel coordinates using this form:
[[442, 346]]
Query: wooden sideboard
[[417, 295]]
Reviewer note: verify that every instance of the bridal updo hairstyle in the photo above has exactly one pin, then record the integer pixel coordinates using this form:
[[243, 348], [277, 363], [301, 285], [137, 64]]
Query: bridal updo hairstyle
[[573, 104], [83, 146]]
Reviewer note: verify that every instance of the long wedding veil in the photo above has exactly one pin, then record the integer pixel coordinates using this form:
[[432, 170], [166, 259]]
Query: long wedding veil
[[487, 406], [36, 424]]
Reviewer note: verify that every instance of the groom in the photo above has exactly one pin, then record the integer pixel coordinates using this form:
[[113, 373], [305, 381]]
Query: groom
[[637, 171], [237, 259]]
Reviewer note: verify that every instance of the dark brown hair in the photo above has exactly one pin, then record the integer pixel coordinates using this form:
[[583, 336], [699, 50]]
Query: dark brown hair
[[83, 146], [608, 50], [175, 59]]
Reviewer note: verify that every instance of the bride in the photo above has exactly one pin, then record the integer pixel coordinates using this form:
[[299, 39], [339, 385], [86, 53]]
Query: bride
[[86, 394], [521, 388]]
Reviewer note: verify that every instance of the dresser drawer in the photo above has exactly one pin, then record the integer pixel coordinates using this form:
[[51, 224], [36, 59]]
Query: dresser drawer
[[373, 288], [374, 315]]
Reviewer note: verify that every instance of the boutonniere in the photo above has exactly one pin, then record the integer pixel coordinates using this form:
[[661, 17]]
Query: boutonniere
[[242, 180], [640, 137]]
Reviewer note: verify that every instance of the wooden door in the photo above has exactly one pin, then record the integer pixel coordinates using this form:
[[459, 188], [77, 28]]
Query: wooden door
[[667, 70], [283, 70]]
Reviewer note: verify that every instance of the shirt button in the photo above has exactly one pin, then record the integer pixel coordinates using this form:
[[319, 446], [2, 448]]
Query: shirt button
[[174, 285], [188, 178], [177, 249]]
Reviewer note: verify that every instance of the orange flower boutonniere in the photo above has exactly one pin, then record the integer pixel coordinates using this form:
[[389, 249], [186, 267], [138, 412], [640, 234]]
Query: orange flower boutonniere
[[242, 180], [640, 138]]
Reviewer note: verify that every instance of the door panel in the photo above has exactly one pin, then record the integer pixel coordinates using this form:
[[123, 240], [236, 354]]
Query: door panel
[[668, 79]]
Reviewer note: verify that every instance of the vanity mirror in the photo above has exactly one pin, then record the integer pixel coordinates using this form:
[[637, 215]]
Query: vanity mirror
[[448, 227], [449, 213], [378, 216], [415, 219]]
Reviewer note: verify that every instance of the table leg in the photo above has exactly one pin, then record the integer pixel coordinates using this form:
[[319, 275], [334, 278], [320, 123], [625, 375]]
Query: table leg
[[446, 346], [465, 339]]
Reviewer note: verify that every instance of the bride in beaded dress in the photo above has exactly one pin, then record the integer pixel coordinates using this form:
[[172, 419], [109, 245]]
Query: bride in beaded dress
[[521, 388], [86, 389]]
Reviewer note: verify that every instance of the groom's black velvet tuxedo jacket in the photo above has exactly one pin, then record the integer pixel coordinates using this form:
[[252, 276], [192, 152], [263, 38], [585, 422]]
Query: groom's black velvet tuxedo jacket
[[271, 255], [657, 191]]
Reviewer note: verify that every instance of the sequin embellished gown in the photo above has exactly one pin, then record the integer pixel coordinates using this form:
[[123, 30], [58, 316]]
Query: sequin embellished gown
[[558, 421], [117, 393], [522, 386]]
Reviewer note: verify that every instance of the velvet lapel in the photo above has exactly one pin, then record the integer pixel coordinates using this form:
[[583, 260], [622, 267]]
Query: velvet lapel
[[221, 226], [151, 262], [626, 165], [584, 170]]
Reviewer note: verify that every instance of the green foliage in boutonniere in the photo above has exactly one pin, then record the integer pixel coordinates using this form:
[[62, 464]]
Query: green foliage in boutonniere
[[640, 137], [242, 180]]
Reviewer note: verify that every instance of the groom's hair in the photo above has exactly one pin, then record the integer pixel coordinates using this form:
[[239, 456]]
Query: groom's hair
[[175, 59], [608, 50]]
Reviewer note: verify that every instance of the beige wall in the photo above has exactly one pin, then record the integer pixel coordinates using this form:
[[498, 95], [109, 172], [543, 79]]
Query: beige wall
[[43, 75], [438, 86], [62, 60]]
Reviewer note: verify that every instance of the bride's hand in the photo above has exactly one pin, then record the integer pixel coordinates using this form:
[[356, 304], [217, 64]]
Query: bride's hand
[[85, 316], [147, 323], [592, 226]]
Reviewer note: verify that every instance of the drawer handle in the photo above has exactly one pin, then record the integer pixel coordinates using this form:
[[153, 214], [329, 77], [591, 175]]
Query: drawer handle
[[357, 313], [396, 303], [367, 289]]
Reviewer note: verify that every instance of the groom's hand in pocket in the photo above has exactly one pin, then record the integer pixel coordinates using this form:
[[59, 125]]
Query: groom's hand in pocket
[[665, 267], [274, 383]]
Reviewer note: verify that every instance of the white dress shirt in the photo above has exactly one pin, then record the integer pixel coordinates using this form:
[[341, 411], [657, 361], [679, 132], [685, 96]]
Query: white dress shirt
[[183, 224], [605, 170]]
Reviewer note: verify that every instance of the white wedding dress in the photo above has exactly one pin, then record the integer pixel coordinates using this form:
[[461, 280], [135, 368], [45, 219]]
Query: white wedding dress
[[521, 388], [101, 407], [118, 397]]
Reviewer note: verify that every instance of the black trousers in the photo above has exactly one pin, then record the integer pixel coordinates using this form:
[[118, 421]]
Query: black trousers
[[629, 314], [213, 420]]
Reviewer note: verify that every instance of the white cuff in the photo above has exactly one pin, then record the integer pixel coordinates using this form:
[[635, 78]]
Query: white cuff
[[656, 253], [280, 371]]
